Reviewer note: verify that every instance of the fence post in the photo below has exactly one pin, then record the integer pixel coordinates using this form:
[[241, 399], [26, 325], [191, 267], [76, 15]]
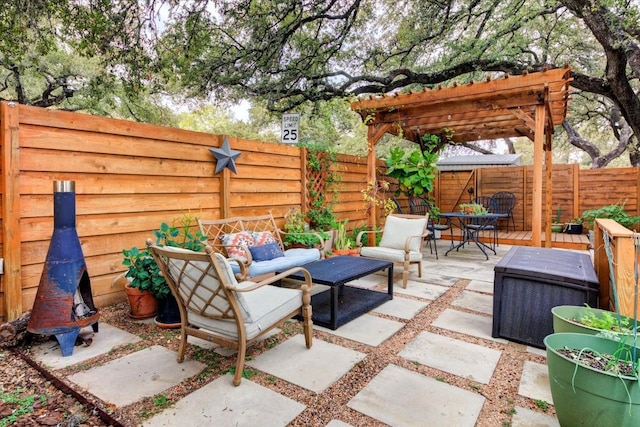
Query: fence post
[[11, 245]]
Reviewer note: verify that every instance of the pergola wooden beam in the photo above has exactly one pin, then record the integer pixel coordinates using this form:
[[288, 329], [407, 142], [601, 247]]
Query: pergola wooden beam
[[528, 105]]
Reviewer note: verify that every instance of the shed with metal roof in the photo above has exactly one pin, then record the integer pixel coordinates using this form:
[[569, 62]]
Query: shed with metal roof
[[463, 163]]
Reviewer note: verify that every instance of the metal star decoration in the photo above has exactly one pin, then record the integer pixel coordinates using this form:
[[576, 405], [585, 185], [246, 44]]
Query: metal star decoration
[[225, 156]]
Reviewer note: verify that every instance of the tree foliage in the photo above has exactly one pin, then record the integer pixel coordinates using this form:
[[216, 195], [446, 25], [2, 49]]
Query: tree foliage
[[292, 52], [119, 57]]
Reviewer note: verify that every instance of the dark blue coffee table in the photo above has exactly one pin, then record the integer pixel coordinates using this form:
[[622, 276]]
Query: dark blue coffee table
[[341, 304]]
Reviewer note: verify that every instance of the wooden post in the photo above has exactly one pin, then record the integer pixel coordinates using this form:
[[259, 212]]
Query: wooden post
[[11, 244], [536, 214], [548, 162], [374, 133]]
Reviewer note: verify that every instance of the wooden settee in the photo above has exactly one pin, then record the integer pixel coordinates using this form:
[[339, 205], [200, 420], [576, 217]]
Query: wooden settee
[[262, 254]]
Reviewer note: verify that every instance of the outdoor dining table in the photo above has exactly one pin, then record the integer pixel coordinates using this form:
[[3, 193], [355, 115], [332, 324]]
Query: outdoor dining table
[[462, 221]]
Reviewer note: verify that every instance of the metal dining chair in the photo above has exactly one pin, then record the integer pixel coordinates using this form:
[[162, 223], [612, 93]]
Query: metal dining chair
[[482, 226], [420, 206], [506, 202]]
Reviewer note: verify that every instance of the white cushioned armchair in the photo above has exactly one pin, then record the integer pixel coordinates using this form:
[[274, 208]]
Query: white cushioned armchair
[[216, 307], [402, 240]]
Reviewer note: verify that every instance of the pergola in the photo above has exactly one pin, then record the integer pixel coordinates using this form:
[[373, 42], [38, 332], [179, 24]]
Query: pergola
[[530, 105]]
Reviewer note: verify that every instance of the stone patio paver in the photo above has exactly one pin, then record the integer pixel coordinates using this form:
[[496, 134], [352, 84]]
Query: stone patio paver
[[220, 403], [421, 290], [480, 286], [49, 354], [534, 382], [456, 357], [527, 418], [314, 369], [225, 351], [402, 308], [367, 329], [474, 301], [439, 277], [402, 398], [467, 323], [130, 378]]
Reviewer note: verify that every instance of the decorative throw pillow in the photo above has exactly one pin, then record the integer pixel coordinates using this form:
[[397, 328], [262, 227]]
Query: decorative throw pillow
[[263, 237], [233, 240], [266, 252]]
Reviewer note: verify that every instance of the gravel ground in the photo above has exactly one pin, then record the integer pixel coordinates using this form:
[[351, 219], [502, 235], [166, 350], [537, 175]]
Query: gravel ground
[[28, 399]]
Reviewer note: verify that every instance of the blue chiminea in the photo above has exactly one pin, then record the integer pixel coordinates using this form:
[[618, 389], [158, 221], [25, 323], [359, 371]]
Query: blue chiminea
[[64, 303]]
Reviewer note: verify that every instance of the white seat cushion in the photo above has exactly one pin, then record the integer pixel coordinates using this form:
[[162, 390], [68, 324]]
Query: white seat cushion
[[397, 229], [388, 254], [267, 305]]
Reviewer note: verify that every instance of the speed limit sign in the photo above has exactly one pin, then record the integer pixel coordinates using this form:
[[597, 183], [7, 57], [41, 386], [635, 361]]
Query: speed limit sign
[[290, 134]]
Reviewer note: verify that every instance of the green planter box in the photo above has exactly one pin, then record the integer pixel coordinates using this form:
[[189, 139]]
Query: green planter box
[[583, 396]]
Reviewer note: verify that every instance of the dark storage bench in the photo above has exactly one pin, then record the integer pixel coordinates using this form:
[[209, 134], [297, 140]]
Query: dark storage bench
[[529, 282]]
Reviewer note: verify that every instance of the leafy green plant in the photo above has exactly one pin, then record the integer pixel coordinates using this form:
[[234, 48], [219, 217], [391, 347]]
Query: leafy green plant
[[415, 172], [144, 272], [298, 231], [142, 268], [542, 404], [363, 227], [472, 209], [576, 220], [607, 321], [22, 402], [615, 212], [376, 193], [341, 240], [321, 187], [181, 234]]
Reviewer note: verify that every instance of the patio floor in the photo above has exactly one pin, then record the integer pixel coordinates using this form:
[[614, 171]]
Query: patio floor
[[441, 362]]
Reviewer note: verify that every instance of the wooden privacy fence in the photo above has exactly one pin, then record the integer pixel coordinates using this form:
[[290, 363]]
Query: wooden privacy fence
[[129, 178], [574, 190]]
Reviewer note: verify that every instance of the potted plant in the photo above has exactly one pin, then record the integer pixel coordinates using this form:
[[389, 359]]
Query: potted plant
[[594, 379], [140, 281], [588, 320], [574, 226], [472, 209], [341, 242], [143, 272], [434, 218]]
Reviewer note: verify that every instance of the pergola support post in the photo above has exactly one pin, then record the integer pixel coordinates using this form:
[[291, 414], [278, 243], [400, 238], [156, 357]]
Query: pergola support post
[[374, 133], [548, 162], [538, 147]]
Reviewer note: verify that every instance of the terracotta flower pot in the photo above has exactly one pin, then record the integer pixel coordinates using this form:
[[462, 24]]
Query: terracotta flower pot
[[341, 251], [143, 304]]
